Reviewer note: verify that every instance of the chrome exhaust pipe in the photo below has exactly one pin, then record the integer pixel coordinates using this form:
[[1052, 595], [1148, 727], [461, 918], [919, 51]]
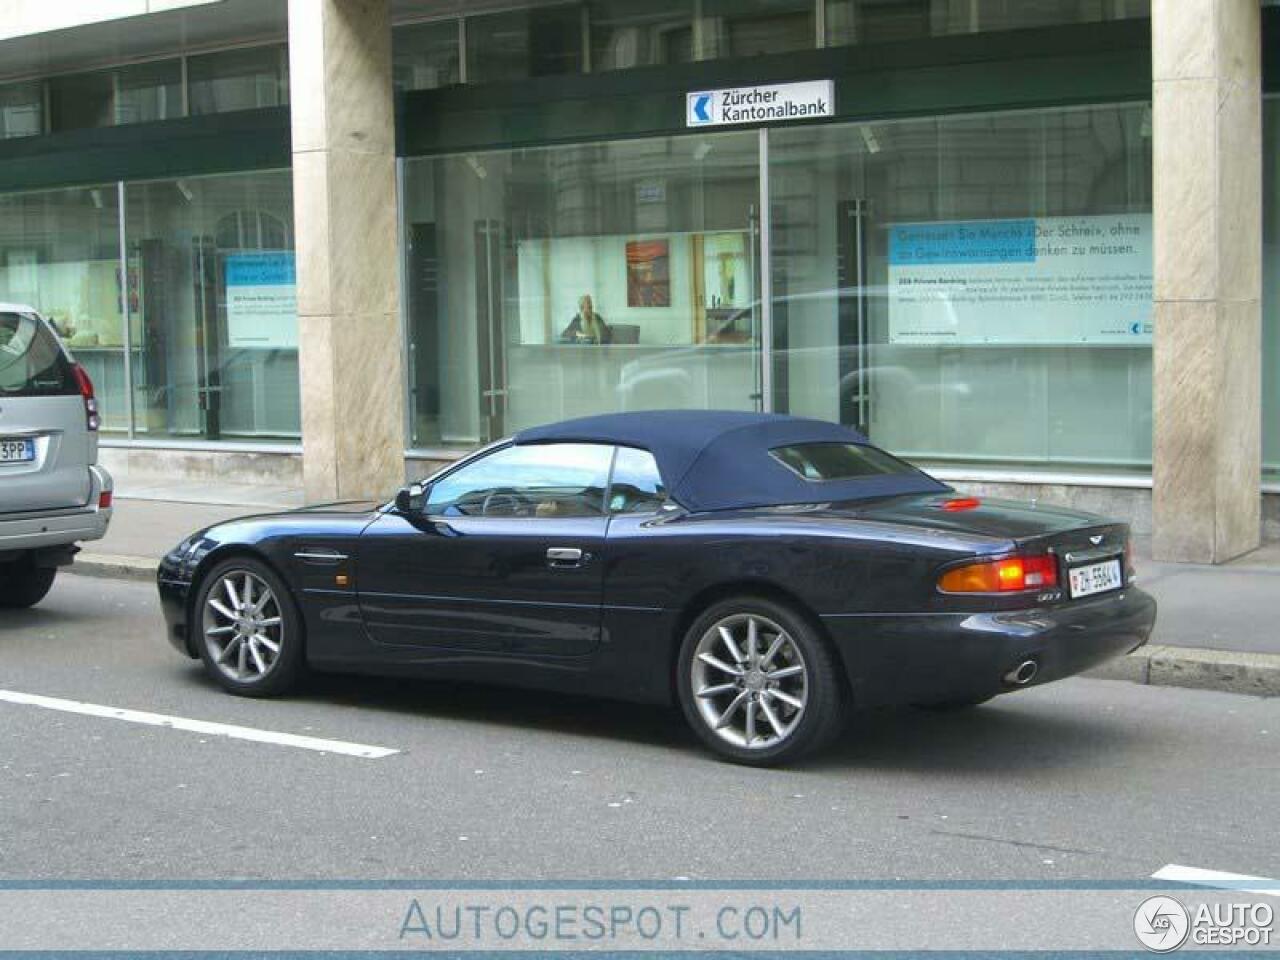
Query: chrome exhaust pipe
[[1022, 674]]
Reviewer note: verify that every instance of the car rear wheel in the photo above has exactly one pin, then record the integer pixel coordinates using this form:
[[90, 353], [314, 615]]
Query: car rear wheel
[[25, 586], [758, 683], [250, 631]]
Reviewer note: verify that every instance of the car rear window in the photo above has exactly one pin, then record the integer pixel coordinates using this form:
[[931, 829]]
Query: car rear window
[[838, 461], [31, 362]]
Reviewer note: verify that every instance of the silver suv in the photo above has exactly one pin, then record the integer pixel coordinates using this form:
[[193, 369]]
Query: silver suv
[[52, 493]]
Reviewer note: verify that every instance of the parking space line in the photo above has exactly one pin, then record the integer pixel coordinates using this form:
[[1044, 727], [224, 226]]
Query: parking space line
[[360, 750], [1217, 878]]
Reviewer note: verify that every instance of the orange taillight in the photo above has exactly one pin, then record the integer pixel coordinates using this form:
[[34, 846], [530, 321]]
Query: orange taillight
[[1009, 575]]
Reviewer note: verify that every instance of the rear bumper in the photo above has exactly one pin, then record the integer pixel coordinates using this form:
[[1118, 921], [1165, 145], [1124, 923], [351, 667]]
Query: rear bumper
[[913, 658], [20, 533]]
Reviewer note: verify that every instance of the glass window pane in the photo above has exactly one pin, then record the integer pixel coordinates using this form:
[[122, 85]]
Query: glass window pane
[[81, 100], [149, 91], [21, 110], [426, 55], [749, 28], [538, 42], [533, 481], [639, 33], [636, 486], [973, 287], [212, 306], [886, 21], [1271, 284], [59, 253], [238, 80], [556, 282]]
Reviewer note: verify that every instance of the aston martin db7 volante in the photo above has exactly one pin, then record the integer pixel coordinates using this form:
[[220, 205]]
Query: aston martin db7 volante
[[766, 573]]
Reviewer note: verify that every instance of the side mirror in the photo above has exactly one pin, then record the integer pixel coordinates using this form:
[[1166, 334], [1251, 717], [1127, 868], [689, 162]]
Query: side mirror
[[411, 499]]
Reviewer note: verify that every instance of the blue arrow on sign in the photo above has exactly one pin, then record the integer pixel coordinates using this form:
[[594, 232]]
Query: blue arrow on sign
[[700, 108]]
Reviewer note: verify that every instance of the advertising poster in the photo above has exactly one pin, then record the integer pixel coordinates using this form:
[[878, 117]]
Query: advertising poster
[[262, 301], [648, 273], [1051, 280]]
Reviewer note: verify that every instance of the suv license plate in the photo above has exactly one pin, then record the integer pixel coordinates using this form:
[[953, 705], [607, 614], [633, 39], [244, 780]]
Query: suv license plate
[[1095, 578], [17, 451]]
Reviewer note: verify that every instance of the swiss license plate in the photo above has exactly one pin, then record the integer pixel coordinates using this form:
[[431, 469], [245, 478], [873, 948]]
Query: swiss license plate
[[17, 451], [1095, 578]]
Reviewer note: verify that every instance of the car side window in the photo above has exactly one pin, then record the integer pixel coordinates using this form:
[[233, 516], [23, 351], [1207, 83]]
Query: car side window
[[532, 480], [637, 485]]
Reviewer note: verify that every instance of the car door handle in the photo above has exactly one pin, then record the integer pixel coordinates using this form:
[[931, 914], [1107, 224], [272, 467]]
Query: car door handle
[[564, 556]]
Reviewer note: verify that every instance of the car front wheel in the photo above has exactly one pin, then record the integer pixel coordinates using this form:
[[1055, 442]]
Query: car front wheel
[[758, 683], [25, 586], [250, 632]]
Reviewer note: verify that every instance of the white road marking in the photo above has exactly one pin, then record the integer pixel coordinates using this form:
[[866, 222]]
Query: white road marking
[[361, 750], [1216, 878]]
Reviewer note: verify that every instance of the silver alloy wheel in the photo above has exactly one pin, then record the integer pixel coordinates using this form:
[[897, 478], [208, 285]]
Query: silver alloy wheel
[[243, 631], [750, 681]]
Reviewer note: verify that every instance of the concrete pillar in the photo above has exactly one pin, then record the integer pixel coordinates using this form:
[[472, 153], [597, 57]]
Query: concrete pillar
[[1207, 141], [344, 195]]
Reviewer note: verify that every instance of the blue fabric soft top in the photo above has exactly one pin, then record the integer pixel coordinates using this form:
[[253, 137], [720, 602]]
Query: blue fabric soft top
[[720, 460]]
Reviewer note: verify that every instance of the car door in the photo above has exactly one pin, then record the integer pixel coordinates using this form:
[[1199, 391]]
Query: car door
[[45, 441], [503, 558]]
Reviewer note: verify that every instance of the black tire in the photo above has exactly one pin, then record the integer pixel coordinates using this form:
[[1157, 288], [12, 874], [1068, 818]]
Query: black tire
[[289, 664], [825, 700], [24, 586]]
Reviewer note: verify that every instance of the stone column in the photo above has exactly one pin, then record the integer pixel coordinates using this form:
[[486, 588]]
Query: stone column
[[344, 194], [1207, 141]]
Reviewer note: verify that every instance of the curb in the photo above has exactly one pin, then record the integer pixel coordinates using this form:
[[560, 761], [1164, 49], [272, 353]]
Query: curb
[[1156, 665], [1226, 671], [114, 567]]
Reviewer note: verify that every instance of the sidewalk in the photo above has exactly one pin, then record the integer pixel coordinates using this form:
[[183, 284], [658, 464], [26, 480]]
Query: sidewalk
[[1218, 627]]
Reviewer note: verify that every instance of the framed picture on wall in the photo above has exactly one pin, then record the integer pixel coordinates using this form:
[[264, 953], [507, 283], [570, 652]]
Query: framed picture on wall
[[648, 273]]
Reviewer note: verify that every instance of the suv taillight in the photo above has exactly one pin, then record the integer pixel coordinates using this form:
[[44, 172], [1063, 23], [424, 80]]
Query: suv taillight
[[91, 418]]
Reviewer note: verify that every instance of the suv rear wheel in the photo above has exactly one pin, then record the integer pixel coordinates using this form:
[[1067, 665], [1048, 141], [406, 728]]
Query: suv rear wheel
[[24, 585]]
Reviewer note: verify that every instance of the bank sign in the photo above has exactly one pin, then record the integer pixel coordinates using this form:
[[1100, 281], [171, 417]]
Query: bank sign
[[775, 103]]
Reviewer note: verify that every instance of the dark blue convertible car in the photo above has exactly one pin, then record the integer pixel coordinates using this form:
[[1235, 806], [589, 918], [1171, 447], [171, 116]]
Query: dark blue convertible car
[[767, 573]]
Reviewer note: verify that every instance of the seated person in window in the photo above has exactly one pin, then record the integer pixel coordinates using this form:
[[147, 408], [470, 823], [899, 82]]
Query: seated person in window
[[588, 326]]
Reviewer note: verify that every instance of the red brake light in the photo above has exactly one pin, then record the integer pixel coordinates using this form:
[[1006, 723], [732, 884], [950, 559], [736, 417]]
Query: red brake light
[[92, 420], [1010, 575], [956, 504], [104, 500]]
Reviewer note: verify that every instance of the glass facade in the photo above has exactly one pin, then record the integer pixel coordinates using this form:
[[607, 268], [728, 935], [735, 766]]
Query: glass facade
[[210, 347], [547, 283], [238, 80], [21, 110], [974, 287], [212, 307], [885, 21], [60, 252], [969, 287], [1271, 286], [595, 36], [241, 79]]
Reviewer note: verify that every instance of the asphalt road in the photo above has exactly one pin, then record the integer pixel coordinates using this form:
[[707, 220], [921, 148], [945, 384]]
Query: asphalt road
[[1085, 779]]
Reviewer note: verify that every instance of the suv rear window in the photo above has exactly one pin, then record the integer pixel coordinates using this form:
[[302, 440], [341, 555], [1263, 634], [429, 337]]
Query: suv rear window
[[31, 362], [839, 461]]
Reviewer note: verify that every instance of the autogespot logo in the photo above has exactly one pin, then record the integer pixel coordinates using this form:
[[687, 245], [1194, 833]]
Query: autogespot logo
[[1161, 924]]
